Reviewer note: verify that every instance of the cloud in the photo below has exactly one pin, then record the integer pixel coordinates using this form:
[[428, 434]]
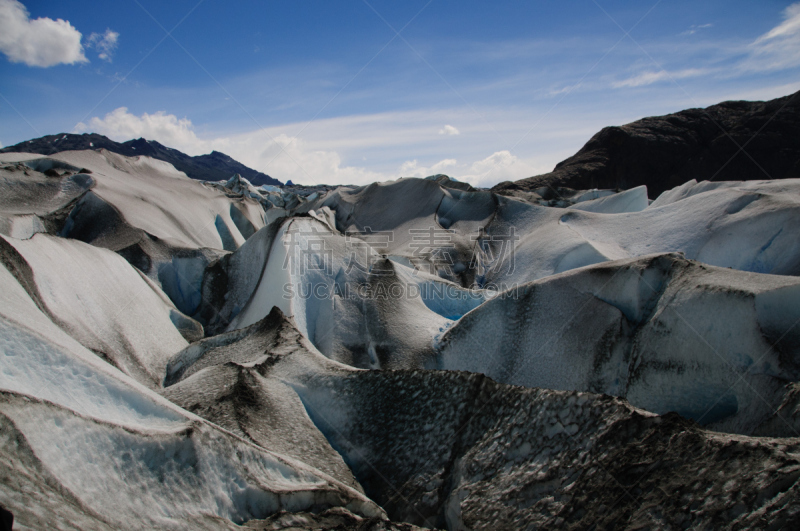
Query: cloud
[[779, 48], [320, 158], [648, 78], [120, 125], [497, 167], [443, 164], [694, 28], [790, 26], [291, 158], [104, 43], [449, 130], [411, 168], [41, 42], [283, 156]]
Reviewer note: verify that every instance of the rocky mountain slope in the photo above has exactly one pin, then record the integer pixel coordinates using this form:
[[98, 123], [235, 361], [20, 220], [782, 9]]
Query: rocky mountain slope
[[731, 141], [411, 354], [214, 166]]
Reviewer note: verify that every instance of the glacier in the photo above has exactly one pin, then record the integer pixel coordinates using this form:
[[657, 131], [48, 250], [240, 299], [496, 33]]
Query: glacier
[[412, 353]]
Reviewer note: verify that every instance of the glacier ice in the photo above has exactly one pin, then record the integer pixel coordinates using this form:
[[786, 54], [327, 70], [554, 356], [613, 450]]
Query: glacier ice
[[215, 355], [664, 332], [457, 450], [77, 432]]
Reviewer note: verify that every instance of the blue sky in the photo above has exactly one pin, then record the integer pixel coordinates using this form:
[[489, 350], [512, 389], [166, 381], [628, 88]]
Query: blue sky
[[352, 92]]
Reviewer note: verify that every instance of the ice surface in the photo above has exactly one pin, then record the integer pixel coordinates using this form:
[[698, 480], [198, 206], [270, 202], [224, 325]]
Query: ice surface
[[381, 315], [666, 333], [566, 297], [168, 477], [29, 198], [457, 450], [740, 225], [168, 226], [633, 200], [536, 339], [126, 456], [104, 303], [239, 381]]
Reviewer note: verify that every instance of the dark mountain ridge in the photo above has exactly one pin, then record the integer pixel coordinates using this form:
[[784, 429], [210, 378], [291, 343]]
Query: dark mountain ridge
[[730, 141], [214, 166]]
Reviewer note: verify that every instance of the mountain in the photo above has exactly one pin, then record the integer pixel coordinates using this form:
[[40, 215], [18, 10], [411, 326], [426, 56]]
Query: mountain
[[215, 166], [730, 141]]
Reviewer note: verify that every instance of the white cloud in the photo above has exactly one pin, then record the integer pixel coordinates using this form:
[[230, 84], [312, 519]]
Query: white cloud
[[449, 130], [790, 26], [497, 167], [279, 152], [694, 28], [104, 43], [291, 158], [411, 168], [174, 132], [779, 48], [648, 78], [283, 156], [41, 42], [444, 164]]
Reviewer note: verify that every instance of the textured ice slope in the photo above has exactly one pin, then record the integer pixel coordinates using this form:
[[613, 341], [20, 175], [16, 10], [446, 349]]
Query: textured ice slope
[[457, 450], [230, 380], [103, 302], [367, 311], [85, 447], [308, 268], [30, 200], [273, 413], [669, 334], [167, 225], [746, 226], [154, 197]]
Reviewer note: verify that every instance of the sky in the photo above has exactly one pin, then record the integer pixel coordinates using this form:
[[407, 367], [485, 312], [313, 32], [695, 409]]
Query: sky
[[370, 90]]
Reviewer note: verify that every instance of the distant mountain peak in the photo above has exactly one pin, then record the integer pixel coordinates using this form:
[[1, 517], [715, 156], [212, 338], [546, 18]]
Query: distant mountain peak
[[215, 166], [729, 141]]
